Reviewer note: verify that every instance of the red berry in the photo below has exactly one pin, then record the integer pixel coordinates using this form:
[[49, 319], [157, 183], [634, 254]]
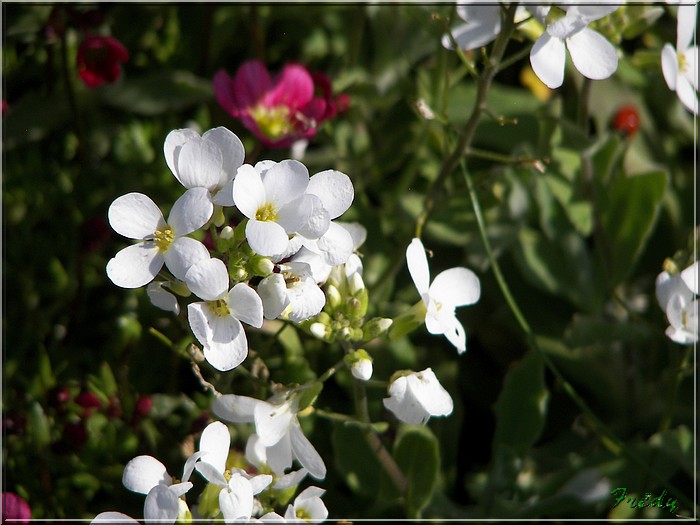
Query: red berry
[[143, 406], [626, 120]]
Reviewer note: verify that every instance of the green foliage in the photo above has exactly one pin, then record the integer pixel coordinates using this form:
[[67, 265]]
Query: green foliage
[[417, 453]]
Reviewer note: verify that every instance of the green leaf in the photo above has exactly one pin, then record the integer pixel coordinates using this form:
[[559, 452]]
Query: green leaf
[[627, 219], [521, 407], [109, 384], [417, 454], [160, 92], [39, 425]]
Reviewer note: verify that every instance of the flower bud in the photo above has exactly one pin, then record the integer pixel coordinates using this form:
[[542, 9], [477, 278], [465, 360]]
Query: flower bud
[[320, 330], [355, 283], [360, 364], [376, 327], [333, 296], [261, 266]]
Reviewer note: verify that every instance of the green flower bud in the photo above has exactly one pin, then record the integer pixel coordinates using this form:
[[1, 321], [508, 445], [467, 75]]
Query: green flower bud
[[376, 327], [239, 231], [179, 288], [360, 364], [320, 330], [355, 283], [408, 322], [218, 217], [333, 297], [261, 266]]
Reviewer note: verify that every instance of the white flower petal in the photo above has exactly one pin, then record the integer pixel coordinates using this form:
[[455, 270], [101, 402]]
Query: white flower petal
[[589, 13], [171, 148], [256, 452], [245, 305], [305, 452], [690, 277], [113, 517], [285, 181], [224, 197], [305, 215], [248, 191], [189, 465], [236, 409], [135, 265], [208, 279], [272, 422], [687, 94], [548, 58], [356, 231], [182, 254], [143, 473], [161, 298], [455, 334], [180, 488], [260, 482], [197, 315], [236, 501], [215, 443], [191, 211], [229, 345], [691, 66], [455, 287], [320, 270], [592, 54], [273, 292], [335, 190], [669, 65], [687, 18], [403, 405], [279, 456], [482, 27], [430, 393], [200, 164], [231, 147], [135, 216], [266, 238], [418, 266], [336, 245], [211, 473], [306, 298], [290, 480], [161, 506]]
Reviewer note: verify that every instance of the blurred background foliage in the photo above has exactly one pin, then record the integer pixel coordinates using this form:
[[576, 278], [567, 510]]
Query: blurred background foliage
[[581, 220]]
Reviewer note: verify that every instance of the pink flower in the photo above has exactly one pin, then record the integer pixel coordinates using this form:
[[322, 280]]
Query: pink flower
[[279, 110], [99, 60], [14, 507]]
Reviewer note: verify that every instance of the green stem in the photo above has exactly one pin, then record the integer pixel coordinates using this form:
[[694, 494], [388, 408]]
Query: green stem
[[469, 130], [583, 102], [673, 396], [606, 435]]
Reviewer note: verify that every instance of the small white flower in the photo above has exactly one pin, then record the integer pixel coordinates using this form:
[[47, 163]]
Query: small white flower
[[307, 506], [273, 197], [277, 429], [216, 322], [482, 25], [680, 64], [209, 161], [591, 53], [147, 475], [450, 289], [676, 296], [292, 293], [113, 517], [136, 216], [161, 298], [414, 398]]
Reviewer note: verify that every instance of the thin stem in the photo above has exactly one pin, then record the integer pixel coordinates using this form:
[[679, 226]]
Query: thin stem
[[70, 93], [673, 396], [607, 437], [469, 129]]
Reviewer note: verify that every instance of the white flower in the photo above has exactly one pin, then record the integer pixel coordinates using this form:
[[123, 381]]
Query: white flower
[[113, 517], [591, 53], [236, 498], [147, 475], [273, 198], [216, 322], [680, 65], [209, 161], [292, 293], [415, 397], [482, 25], [676, 296], [136, 216], [277, 429], [450, 289], [307, 506]]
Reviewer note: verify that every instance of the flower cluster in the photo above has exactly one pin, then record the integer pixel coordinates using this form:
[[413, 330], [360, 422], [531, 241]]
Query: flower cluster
[[677, 295]]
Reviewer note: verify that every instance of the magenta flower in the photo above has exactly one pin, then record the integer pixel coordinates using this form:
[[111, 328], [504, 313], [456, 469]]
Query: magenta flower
[[279, 110], [99, 60], [15, 508]]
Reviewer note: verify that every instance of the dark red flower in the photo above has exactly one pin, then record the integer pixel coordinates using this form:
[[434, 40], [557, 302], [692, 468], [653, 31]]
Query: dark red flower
[[626, 120], [100, 59], [88, 401], [15, 508], [279, 110], [143, 407]]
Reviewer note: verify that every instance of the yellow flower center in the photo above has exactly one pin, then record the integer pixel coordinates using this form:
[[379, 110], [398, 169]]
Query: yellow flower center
[[682, 62], [303, 514], [219, 308], [266, 212], [273, 122], [164, 238]]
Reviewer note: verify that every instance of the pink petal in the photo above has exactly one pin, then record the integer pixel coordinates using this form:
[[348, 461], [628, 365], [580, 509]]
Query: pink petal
[[223, 88], [293, 87], [250, 84]]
